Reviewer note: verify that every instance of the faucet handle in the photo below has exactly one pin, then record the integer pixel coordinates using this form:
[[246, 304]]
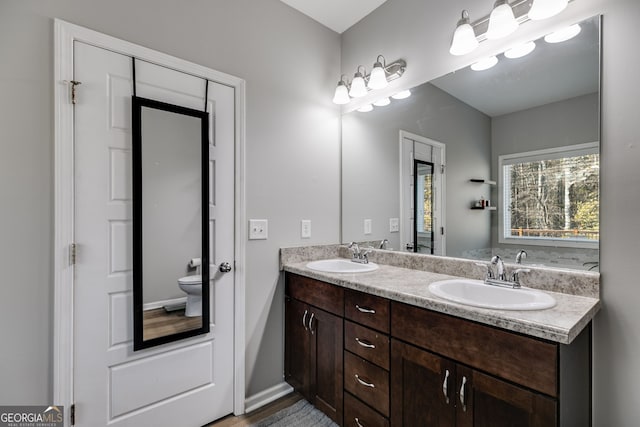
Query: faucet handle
[[489, 272], [515, 276]]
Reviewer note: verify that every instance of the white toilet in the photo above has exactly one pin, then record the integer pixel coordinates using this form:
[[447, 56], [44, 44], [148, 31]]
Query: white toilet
[[192, 286]]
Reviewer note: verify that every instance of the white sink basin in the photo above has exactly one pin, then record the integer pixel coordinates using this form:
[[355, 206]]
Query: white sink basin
[[478, 294], [341, 266]]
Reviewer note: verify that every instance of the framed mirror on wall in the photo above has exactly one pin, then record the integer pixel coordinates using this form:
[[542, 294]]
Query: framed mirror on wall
[[170, 164], [545, 102]]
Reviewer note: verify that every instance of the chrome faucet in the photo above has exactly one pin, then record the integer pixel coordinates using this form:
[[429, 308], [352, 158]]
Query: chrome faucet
[[496, 273], [359, 256], [383, 244]]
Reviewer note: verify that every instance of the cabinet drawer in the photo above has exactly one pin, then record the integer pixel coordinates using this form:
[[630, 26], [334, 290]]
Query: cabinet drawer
[[523, 360], [367, 381], [367, 343], [314, 292], [357, 414], [366, 309]]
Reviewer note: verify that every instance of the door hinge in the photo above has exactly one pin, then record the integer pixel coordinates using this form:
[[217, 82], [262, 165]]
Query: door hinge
[[442, 169], [442, 231], [73, 84], [73, 249], [72, 414]]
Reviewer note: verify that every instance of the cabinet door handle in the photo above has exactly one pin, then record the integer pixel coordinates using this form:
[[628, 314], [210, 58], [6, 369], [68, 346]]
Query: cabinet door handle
[[311, 322], [358, 422], [445, 386], [364, 383], [365, 344], [365, 310], [304, 320], [462, 388]]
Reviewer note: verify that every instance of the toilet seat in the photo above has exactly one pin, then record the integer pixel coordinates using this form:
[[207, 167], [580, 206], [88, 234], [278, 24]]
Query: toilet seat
[[190, 280]]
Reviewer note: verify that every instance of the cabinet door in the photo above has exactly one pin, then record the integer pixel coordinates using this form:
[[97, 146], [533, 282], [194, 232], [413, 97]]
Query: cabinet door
[[297, 346], [326, 363], [422, 388], [485, 401]]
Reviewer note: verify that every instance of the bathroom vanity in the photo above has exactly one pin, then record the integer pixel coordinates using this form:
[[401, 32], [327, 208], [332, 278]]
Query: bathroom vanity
[[376, 349]]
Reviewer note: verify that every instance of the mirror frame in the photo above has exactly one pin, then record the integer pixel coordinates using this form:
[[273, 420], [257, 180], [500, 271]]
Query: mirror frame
[[138, 104]]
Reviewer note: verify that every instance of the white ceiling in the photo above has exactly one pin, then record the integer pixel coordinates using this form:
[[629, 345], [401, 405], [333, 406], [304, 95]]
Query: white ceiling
[[338, 15]]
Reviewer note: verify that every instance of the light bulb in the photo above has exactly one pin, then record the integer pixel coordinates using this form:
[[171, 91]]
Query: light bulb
[[358, 88], [378, 78], [366, 108], [543, 9], [564, 34], [341, 96], [402, 94], [382, 102], [520, 50], [484, 64], [464, 38], [502, 22]]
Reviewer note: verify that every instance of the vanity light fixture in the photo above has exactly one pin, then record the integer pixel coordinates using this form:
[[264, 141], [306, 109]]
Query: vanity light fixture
[[543, 9], [378, 78], [564, 34], [382, 102], [381, 74], [358, 86], [402, 94], [484, 64], [520, 50], [341, 95], [366, 108], [464, 37], [502, 21]]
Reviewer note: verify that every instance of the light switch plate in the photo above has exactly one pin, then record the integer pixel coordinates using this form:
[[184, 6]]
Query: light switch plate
[[367, 226], [258, 229], [394, 225], [305, 229]]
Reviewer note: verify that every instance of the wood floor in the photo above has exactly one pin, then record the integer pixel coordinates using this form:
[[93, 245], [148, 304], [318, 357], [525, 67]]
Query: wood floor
[[258, 414], [158, 323]]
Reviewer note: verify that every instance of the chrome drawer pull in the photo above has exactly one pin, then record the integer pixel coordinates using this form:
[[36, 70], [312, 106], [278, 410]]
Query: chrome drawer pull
[[365, 343], [445, 386], [311, 323], [464, 405], [364, 383], [304, 320], [365, 310], [358, 422]]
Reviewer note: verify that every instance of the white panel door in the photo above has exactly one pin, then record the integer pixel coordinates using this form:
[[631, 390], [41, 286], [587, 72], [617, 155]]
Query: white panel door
[[185, 383]]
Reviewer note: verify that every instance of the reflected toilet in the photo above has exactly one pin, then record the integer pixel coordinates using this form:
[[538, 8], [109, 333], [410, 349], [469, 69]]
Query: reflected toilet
[[192, 286]]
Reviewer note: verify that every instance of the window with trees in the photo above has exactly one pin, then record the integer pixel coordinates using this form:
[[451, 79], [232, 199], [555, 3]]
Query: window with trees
[[551, 197]]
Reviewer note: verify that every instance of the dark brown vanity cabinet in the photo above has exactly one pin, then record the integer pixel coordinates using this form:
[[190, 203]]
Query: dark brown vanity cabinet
[[408, 366], [314, 342]]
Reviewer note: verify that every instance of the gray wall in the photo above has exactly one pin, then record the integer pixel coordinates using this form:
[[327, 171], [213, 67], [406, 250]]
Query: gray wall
[[423, 40], [569, 122], [370, 163], [290, 64]]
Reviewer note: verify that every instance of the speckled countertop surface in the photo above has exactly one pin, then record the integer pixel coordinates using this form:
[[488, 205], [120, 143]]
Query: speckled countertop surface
[[561, 323]]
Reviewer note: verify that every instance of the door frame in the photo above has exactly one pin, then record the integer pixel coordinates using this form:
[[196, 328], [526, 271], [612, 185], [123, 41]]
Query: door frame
[[427, 141], [65, 34]]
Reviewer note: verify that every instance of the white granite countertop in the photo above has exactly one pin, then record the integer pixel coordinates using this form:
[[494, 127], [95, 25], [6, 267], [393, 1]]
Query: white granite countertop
[[561, 323]]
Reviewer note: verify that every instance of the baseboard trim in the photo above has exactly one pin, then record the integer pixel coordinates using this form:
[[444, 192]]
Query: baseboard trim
[[267, 396]]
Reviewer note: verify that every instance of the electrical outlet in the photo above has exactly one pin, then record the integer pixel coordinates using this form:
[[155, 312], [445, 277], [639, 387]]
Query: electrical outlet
[[258, 229], [394, 225], [367, 226], [305, 228]]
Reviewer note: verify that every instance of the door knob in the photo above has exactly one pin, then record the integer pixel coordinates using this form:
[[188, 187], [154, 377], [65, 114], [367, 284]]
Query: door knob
[[225, 267]]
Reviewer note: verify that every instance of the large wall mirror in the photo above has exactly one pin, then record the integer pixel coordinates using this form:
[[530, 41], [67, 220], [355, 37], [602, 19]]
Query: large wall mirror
[[520, 153], [170, 222]]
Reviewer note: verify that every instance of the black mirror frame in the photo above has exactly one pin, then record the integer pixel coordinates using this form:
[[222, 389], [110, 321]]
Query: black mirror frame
[[138, 322]]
